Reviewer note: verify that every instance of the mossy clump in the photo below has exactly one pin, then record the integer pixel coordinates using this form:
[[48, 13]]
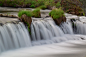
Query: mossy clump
[[36, 13], [58, 5], [83, 14], [25, 17], [43, 7], [32, 6], [56, 13], [29, 27], [26, 12], [1, 4]]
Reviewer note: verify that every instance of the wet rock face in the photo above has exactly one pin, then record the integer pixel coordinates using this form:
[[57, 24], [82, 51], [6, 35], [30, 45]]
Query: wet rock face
[[24, 18], [76, 11], [60, 20], [6, 15]]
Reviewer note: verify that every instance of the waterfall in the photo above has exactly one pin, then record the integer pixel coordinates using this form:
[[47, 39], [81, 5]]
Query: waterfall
[[80, 27], [45, 31], [67, 28], [13, 36]]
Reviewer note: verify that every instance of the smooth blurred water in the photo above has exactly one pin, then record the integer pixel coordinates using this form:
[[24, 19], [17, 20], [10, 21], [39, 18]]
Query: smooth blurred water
[[13, 36], [45, 31]]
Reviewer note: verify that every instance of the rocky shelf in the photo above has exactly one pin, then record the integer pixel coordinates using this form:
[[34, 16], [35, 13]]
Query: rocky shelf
[[4, 20]]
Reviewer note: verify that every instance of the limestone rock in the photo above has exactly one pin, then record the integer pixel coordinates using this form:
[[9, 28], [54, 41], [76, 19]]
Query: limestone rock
[[24, 18], [60, 20]]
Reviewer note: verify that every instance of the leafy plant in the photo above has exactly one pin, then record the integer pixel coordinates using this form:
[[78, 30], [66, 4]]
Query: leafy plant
[[14, 5], [28, 13], [40, 2], [56, 13], [43, 7], [58, 5], [49, 3], [83, 14], [33, 2], [36, 13], [32, 6], [1, 4]]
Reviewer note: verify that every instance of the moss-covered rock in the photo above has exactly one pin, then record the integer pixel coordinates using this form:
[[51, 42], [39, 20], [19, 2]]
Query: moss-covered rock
[[36, 13], [43, 7], [58, 16], [25, 17], [26, 12]]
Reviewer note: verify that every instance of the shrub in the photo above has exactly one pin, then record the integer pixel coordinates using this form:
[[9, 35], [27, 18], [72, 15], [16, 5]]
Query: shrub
[[1, 4], [28, 13], [36, 13], [40, 2], [49, 3], [32, 6], [33, 2], [43, 7], [56, 13], [83, 14], [58, 5], [14, 5]]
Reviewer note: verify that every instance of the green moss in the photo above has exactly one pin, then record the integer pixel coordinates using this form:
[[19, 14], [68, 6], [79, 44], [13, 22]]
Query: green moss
[[27, 3], [40, 2], [28, 13], [28, 25], [32, 6], [43, 7], [49, 3], [33, 2], [56, 13], [58, 5], [14, 5], [1, 4], [83, 14], [36, 13]]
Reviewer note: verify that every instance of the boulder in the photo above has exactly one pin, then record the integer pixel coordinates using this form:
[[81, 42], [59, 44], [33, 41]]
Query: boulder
[[60, 20], [24, 18], [36, 13]]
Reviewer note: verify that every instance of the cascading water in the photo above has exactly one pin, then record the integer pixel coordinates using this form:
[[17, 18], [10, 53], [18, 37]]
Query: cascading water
[[80, 26], [13, 36], [45, 31], [67, 28]]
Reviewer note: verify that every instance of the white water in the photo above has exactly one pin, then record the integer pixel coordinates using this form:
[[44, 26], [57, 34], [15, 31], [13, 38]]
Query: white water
[[67, 28], [13, 36], [65, 49], [43, 31], [80, 26]]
